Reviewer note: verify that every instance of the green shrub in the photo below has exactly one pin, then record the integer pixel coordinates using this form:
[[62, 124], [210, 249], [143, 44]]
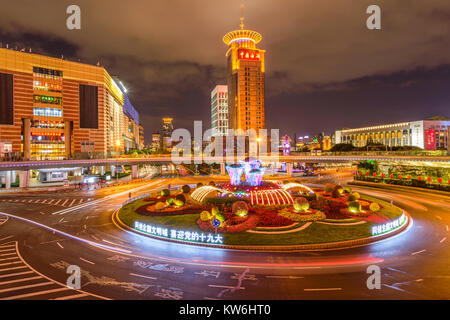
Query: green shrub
[[335, 193], [354, 207], [170, 201], [186, 189], [165, 192], [339, 189], [215, 210], [348, 190], [301, 204], [199, 185], [181, 197], [178, 203], [351, 197], [212, 183], [356, 194], [220, 217], [311, 196]]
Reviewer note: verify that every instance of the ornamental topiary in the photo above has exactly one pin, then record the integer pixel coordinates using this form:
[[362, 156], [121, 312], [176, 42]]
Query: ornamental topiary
[[351, 197], [205, 216], [165, 192], [374, 207], [339, 189], [170, 201], [356, 194], [186, 189], [354, 207], [181, 197], [160, 206], [240, 208], [199, 185], [178, 203], [301, 204], [220, 217], [212, 183], [335, 193], [329, 187], [348, 190]]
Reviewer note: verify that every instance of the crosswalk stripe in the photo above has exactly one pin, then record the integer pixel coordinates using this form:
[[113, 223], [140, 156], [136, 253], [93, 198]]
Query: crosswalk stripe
[[45, 200], [50, 202], [15, 274], [40, 284], [81, 200], [31, 200], [7, 254], [9, 259], [26, 295], [7, 245], [14, 268], [37, 201], [56, 203], [9, 263], [20, 280], [63, 204], [72, 297], [71, 203], [6, 250]]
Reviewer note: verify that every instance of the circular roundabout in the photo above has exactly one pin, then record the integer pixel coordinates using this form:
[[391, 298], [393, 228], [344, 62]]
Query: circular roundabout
[[249, 213]]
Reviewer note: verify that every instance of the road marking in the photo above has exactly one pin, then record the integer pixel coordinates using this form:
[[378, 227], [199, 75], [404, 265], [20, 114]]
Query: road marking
[[14, 268], [81, 200], [141, 276], [9, 263], [7, 250], [75, 296], [225, 287], [446, 228], [71, 203], [6, 238], [443, 239], [323, 289], [59, 245], [62, 219], [44, 201], [8, 259], [64, 203], [40, 284], [15, 274], [87, 261], [51, 201], [208, 298], [417, 252], [284, 277], [56, 203], [20, 280], [39, 293], [7, 254]]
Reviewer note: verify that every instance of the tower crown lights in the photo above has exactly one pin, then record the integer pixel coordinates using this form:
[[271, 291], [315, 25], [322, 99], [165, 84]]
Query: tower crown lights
[[242, 35]]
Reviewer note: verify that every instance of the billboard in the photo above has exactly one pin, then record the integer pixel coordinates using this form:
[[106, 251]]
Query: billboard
[[430, 139]]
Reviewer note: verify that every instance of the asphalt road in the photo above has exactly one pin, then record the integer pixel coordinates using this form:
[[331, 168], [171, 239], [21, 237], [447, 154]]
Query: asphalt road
[[75, 228]]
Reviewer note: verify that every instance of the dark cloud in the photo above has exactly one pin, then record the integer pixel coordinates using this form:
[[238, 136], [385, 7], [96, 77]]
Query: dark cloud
[[324, 68]]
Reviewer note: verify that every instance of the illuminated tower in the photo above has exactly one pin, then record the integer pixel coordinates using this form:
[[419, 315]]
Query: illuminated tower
[[246, 109]]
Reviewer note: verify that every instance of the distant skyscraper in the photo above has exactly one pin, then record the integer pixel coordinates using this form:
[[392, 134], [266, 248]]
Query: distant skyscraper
[[219, 110], [246, 109], [166, 132]]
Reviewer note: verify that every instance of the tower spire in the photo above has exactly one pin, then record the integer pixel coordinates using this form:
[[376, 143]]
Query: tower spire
[[242, 16]]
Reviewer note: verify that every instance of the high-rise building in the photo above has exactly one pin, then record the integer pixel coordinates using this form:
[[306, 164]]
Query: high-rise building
[[156, 141], [52, 108], [141, 137], [246, 68], [166, 133], [219, 110]]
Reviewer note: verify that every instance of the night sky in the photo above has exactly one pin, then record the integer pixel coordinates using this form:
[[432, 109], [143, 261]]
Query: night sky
[[325, 70]]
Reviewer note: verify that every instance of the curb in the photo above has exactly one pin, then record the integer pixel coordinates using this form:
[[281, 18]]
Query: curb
[[406, 188], [291, 248]]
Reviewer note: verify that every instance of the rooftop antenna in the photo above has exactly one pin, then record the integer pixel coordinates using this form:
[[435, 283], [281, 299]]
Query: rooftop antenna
[[242, 16]]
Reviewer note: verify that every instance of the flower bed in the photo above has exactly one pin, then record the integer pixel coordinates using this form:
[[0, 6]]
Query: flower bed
[[249, 223], [311, 215]]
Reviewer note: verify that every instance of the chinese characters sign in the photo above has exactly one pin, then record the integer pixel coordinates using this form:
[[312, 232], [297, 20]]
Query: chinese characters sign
[[178, 234], [389, 226], [430, 141], [249, 54]]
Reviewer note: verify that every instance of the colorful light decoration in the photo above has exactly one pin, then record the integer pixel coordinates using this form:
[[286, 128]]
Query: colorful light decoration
[[291, 185], [271, 197], [201, 193], [235, 173]]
